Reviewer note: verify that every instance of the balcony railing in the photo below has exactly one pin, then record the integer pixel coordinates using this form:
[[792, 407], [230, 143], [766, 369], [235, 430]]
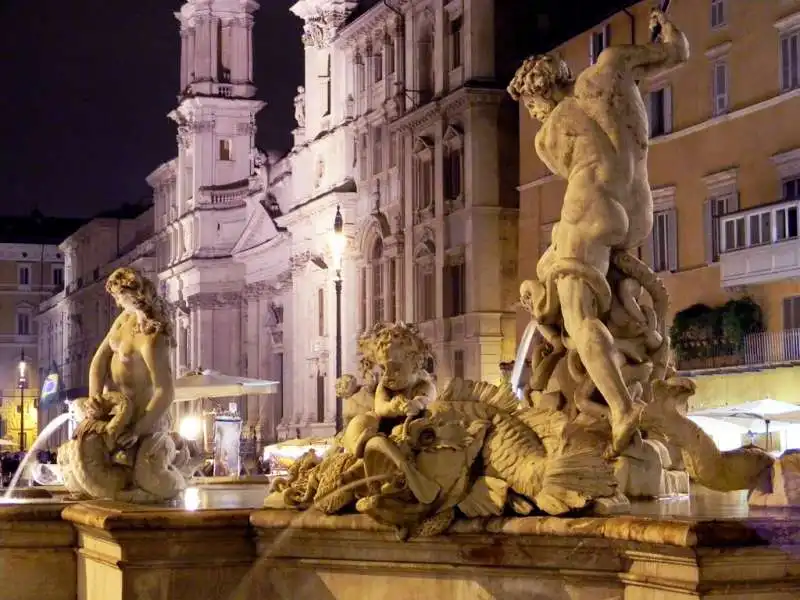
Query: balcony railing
[[767, 349], [760, 244]]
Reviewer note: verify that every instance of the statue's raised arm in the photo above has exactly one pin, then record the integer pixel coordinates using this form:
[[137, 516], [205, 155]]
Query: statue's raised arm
[[669, 49]]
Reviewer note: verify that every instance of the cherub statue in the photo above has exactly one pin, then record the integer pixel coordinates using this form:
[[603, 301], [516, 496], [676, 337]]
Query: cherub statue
[[123, 449], [594, 133], [393, 357]]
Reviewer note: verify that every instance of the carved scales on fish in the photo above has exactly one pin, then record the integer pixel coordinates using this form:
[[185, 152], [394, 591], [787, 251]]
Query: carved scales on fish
[[568, 479]]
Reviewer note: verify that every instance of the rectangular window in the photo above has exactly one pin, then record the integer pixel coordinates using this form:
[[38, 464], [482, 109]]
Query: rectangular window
[[424, 183], [393, 149], [760, 229], [363, 286], [389, 49], [452, 173], [665, 239], [24, 275], [735, 234], [23, 323], [720, 88], [599, 41], [786, 223], [659, 105], [456, 281], [426, 292], [377, 66], [791, 313], [321, 312], [790, 61], [377, 293], [391, 306], [377, 150], [458, 364], [456, 41], [58, 277], [718, 209], [320, 397], [362, 159], [791, 189], [226, 150], [360, 79], [717, 13]]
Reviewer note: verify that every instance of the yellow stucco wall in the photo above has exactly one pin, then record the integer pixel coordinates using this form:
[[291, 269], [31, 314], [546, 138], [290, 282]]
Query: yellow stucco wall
[[782, 384]]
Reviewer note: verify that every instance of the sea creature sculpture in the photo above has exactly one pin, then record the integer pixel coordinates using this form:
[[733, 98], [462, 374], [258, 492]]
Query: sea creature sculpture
[[424, 472]]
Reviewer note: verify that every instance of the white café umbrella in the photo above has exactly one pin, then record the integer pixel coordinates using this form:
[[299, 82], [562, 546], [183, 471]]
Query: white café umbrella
[[212, 384], [755, 416]]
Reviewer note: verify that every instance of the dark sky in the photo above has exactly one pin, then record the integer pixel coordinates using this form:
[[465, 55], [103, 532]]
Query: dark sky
[[87, 85]]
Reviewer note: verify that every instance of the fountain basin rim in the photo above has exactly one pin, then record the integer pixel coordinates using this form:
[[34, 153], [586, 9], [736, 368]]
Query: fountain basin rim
[[755, 530]]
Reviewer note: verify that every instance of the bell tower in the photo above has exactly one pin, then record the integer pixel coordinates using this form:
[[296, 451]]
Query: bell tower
[[217, 109]]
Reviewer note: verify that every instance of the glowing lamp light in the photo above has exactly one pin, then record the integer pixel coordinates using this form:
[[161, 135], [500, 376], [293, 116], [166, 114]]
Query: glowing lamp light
[[338, 240], [190, 428], [23, 366], [191, 498]]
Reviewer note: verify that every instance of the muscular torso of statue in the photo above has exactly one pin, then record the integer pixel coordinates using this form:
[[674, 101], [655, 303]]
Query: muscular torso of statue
[[597, 140]]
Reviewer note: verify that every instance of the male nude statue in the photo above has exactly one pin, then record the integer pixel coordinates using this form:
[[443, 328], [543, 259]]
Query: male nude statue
[[594, 133]]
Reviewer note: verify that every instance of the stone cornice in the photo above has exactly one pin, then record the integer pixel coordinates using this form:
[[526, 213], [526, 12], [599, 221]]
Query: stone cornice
[[371, 22], [215, 300], [448, 106]]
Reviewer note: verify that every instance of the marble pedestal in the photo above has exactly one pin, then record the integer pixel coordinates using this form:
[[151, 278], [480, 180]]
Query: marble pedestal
[[127, 552], [37, 556], [315, 557]]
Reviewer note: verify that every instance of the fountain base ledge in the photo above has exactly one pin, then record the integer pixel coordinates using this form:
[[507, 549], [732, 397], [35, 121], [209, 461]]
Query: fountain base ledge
[[114, 551]]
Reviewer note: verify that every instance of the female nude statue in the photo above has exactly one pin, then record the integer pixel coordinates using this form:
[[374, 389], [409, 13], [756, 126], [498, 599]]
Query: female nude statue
[[594, 133], [123, 448]]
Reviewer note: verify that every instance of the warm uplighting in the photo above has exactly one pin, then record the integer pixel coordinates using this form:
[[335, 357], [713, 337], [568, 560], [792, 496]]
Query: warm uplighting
[[338, 241], [191, 498], [191, 428]]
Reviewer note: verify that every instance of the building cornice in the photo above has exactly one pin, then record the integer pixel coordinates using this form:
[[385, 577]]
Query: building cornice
[[447, 106]]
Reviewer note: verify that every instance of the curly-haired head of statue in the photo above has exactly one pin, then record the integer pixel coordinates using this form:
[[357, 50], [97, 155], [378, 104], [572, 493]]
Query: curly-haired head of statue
[[400, 352], [136, 294], [541, 83]]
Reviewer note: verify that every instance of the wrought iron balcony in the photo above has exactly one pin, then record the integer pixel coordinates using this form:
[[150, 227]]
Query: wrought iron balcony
[[760, 244], [757, 350]]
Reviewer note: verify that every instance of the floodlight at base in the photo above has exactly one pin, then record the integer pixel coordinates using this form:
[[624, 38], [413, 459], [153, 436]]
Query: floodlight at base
[[191, 428]]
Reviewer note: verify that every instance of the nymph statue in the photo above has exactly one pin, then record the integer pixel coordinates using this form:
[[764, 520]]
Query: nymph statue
[[123, 448]]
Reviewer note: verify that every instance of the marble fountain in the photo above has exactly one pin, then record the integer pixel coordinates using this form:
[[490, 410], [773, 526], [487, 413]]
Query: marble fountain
[[571, 488]]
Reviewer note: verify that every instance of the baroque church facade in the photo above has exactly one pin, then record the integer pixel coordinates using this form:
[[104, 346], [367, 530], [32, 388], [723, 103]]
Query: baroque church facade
[[401, 124]]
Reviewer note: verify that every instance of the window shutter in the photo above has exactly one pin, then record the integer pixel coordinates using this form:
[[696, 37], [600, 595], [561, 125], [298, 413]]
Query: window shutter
[[647, 251], [732, 203], [668, 109], [708, 231], [607, 36], [672, 240], [591, 47]]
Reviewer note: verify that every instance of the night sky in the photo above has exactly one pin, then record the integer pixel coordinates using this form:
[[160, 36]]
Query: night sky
[[87, 85]]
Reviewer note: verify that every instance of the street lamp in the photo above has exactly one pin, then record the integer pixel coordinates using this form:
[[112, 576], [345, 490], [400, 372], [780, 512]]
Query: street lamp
[[338, 242], [22, 384]]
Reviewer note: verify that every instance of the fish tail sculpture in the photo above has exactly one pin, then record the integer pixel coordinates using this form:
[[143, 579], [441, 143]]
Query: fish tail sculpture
[[567, 480]]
